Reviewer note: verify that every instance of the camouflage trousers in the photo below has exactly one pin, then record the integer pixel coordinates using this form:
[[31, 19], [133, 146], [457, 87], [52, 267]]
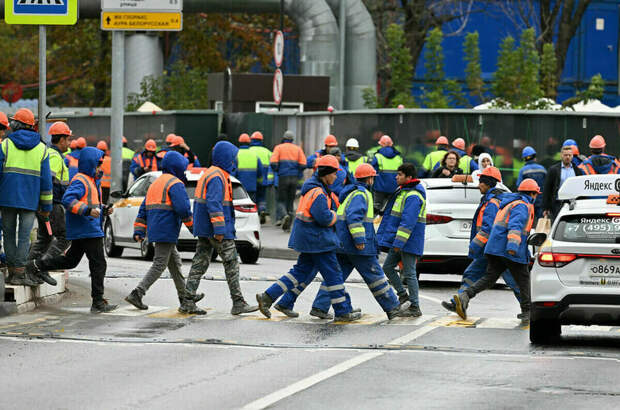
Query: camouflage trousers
[[228, 252], [166, 256], [47, 245]]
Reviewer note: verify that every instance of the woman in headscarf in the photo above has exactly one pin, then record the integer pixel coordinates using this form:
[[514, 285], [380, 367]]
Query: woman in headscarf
[[484, 161]]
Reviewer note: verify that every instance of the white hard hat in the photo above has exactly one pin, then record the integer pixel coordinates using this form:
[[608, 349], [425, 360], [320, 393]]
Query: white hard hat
[[352, 142]]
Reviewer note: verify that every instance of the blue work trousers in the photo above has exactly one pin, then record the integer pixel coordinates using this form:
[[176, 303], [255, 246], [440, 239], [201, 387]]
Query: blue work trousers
[[409, 261], [304, 272], [17, 242], [261, 198], [476, 270]]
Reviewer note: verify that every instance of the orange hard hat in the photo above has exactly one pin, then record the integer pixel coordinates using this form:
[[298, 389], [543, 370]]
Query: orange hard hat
[[169, 138], [365, 171], [24, 115], [328, 161], [73, 144], [257, 135], [442, 141], [81, 142], [330, 141], [529, 185], [124, 140], [102, 145], [177, 141], [59, 128], [244, 138], [597, 142], [150, 145], [575, 149], [459, 143], [4, 120], [493, 173], [386, 141]]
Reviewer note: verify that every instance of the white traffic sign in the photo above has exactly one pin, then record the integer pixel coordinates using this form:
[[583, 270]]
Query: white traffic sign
[[278, 86], [278, 48], [142, 5]]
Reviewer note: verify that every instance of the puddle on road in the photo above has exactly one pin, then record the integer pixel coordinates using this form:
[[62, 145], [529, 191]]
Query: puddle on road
[[148, 330]]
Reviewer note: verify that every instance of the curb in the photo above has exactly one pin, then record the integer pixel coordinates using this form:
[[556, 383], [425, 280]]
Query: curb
[[279, 253]]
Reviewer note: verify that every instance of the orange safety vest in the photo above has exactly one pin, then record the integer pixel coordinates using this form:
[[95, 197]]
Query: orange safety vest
[[482, 238], [503, 216], [91, 198], [106, 167], [217, 218], [149, 162], [306, 201], [588, 169]]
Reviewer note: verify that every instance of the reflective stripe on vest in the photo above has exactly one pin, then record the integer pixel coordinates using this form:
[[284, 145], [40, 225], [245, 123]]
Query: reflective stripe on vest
[[354, 164], [217, 218], [357, 229], [481, 237], [157, 196], [90, 198], [503, 216], [26, 162], [306, 201], [265, 157], [388, 165], [60, 172], [148, 162], [399, 204]]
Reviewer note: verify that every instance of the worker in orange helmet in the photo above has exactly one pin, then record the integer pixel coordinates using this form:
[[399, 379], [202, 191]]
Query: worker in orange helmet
[[249, 170], [72, 159], [145, 161], [466, 163], [599, 162], [264, 154], [168, 142], [332, 148], [386, 162], [4, 124], [106, 167], [432, 160], [178, 144]]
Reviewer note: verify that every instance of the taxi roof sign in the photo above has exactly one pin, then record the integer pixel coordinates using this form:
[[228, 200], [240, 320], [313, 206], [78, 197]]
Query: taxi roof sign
[[585, 186], [41, 12]]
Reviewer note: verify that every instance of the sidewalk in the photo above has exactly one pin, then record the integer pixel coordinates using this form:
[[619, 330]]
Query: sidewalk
[[274, 242], [20, 299]]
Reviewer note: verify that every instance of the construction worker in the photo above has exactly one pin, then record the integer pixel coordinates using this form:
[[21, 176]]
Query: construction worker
[[356, 232], [402, 231], [163, 209], [4, 125], [72, 159], [178, 144], [433, 158], [314, 237], [25, 188], [72, 147], [507, 248], [106, 179], [353, 156], [56, 243], [466, 163], [533, 171], [249, 170], [481, 226], [256, 146], [84, 219], [168, 141], [127, 155], [145, 161], [599, 162], [214, 225], [386, 161], [331, 148], [288, 162], [577, 157]]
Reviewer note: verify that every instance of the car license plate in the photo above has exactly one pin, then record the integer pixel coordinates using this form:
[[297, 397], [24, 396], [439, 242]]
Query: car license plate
[[604, 269], [465, 226]]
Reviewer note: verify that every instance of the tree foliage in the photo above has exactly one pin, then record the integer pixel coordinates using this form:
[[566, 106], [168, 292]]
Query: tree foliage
[[434, 77], [595, 91], [548, 67], [473, 70]]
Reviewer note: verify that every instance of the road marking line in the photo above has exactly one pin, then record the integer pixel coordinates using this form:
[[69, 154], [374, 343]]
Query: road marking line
[[310, 381]]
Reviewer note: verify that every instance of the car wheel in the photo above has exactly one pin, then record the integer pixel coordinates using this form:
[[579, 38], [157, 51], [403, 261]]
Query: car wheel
[[111, 249], [545, 331], [249, 255], [146, 250]]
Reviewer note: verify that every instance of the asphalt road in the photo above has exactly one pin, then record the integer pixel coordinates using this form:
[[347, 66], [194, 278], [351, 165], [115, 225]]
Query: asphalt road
[[64, 357]]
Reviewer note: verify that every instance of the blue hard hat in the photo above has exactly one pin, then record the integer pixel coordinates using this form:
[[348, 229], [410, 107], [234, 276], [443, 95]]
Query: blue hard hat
[[528, 152], [569, 143]]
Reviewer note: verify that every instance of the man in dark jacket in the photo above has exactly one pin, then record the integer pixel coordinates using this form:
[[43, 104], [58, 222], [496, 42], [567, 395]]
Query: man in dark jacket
[[556, 176]]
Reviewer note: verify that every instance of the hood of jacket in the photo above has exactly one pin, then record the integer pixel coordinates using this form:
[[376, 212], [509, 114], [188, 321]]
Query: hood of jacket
[[350, 188], [175, 164], [490, 194], [388, 152], [256, 143], [25, 139], [481, 157], [601, 160], [224, 155], [311, 183], [89, 158], [353, 155], [514, 196]]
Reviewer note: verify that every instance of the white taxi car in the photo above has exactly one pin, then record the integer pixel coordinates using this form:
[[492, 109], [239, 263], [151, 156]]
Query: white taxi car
[[576, 275], [450, 208], [118, 227]]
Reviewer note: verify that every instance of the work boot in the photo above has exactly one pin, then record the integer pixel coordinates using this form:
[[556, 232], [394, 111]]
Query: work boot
[[45, 276], [264, 303], [348, 317], [403, 298], [321, 314], [11, 277], [32, 275], [241, 306], [461, 301], [198, 297], [525, 318], [396, 312], [102, 306], [190, 308], [286, 311], [135, 298], [20, 278], [411, 311], [286, 223], [356, 310], [263, 217], [279, 222], [449, 305]]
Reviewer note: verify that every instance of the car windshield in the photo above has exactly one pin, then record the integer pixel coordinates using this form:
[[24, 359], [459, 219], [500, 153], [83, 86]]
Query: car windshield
[[238, 191], [453, 195], [588, 228]]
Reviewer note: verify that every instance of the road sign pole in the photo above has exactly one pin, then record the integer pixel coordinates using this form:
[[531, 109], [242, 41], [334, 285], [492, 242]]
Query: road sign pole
[[118, 105], [42, 81]]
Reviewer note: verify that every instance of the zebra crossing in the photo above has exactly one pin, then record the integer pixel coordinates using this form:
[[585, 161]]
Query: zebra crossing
[[40, 2]]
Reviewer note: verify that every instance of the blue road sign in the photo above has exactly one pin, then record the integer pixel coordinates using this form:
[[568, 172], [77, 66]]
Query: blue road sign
[[63, 12]]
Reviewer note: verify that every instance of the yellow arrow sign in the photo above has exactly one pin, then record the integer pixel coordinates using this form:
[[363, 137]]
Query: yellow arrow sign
[[113, 20]]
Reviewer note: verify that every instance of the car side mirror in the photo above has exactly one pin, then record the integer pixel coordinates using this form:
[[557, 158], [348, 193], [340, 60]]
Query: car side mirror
[[116, 195], [537, 239]]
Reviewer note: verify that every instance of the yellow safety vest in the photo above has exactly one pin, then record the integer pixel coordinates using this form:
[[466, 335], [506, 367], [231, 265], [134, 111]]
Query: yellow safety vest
[[352, 165], [433, 159], [397, 211], [59, 169], [248, 161], [465, 164], [265, 157], [389, 165], [26, 162]]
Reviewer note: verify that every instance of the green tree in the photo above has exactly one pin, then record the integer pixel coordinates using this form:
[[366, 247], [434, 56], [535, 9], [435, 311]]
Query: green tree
[[473, 70], [529, 91], [434, 77], [505, 79], [400, 67], [595, 91], [548, 69]]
